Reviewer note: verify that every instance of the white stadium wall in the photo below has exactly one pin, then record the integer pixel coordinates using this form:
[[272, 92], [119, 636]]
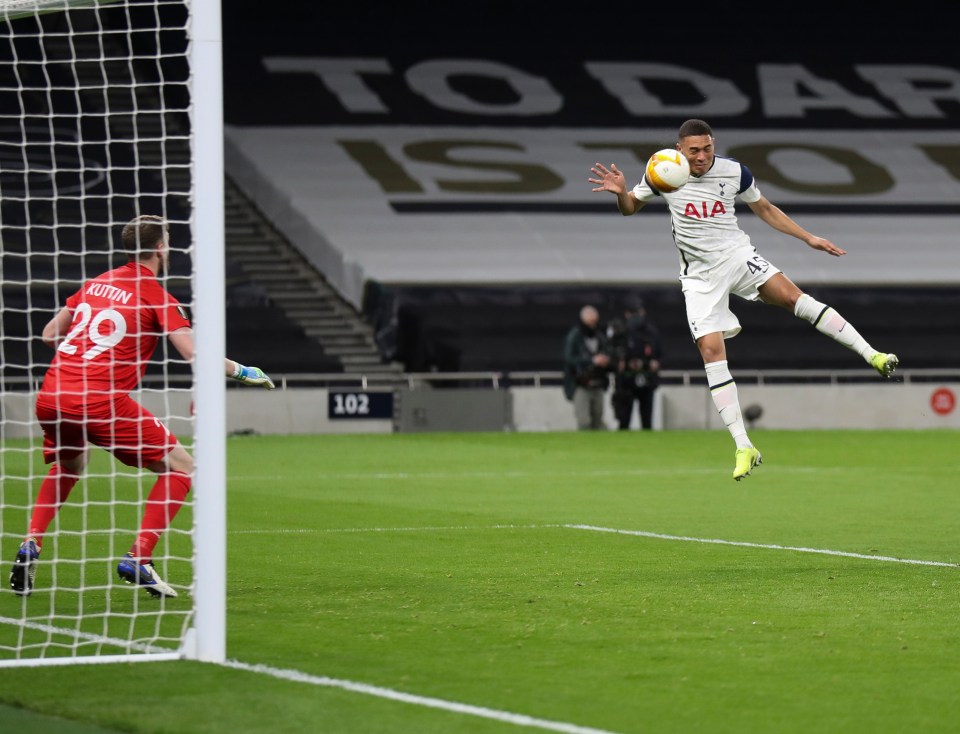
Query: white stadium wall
[[785, 407], [539, 409]]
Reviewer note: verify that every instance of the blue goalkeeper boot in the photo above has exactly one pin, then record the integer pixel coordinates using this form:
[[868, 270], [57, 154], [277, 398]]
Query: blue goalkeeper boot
[[24, 569], [145, 575]]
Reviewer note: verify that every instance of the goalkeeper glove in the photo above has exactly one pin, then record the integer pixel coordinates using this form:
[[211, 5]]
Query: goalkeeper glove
[[252, 376]]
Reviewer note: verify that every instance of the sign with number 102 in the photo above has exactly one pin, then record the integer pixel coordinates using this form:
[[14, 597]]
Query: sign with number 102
[[351, 405]]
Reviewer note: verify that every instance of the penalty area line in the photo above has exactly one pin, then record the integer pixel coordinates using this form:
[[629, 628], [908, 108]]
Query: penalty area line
[[766, 546], [614, 531], [410, 529], [427, 701]]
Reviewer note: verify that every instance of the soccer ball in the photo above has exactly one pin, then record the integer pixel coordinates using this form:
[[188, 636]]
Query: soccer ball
[[668, 170]]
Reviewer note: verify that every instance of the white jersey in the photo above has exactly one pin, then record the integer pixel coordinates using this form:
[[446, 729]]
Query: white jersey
[[705, 226]]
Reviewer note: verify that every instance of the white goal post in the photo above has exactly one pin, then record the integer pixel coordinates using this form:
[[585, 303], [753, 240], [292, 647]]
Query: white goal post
[[109, 110]]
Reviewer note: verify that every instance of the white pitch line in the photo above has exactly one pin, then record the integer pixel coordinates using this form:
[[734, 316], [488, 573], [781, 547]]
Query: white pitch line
[[295, 676], [422, 528], [427, 701], [518, 474], [150, 652], [767, 546], [616, 531], [300, 677], [391, 476]]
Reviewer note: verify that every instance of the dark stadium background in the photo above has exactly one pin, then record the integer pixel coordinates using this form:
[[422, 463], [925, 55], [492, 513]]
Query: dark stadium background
[[439, 326], [499, 327]]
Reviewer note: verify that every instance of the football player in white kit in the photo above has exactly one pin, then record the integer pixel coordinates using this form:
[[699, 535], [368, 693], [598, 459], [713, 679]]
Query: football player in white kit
[[717, 259]]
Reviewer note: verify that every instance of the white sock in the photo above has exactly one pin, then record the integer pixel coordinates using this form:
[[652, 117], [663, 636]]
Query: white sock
[[829, 322], [723, 390]]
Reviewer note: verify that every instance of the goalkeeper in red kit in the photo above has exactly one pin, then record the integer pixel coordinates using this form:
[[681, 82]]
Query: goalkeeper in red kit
[[103, 338]]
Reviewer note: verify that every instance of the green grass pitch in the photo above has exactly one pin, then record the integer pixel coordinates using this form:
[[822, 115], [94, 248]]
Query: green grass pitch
[[451, 567]]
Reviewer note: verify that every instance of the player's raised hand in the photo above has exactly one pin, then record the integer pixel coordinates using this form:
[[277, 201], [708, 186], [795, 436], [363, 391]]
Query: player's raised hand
[[608, 179], [819, 243], [252, 376]]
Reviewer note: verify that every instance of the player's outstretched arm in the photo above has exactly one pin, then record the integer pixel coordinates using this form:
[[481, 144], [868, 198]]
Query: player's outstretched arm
[[182, 340], [775, 217], [249, 375]]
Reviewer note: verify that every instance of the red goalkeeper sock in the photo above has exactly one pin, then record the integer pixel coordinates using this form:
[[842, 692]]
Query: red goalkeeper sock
[[165, 500], [54, 491]]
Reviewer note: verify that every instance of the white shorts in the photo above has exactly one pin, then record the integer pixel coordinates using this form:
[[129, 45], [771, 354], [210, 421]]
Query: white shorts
[[707, 291]]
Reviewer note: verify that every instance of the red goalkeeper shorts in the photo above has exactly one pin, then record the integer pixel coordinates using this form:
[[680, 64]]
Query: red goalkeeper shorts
[[123, 427]]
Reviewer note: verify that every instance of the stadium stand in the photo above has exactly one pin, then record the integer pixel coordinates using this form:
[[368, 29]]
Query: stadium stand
[[326, 334], [522, 329], [58, 230]]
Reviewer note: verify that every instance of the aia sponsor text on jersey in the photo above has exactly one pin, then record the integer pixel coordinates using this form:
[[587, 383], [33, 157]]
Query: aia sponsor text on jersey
[[705, 211]]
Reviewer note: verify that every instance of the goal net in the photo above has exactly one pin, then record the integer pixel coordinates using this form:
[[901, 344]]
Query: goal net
[[98, 125]]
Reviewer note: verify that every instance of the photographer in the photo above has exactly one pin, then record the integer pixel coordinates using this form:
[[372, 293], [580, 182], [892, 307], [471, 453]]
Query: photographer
[[635, 345], [586, 363]]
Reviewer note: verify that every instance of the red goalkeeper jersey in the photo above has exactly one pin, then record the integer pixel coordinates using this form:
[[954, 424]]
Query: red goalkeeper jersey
[[118, 318]]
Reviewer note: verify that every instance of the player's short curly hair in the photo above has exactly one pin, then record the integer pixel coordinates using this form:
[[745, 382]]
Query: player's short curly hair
[[141, 234], [694, 127]]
